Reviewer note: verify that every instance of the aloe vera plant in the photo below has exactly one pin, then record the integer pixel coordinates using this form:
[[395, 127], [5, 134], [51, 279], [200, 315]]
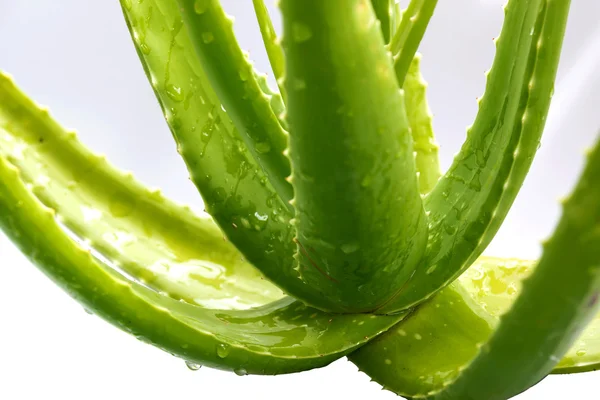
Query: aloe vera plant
[[330, 188]]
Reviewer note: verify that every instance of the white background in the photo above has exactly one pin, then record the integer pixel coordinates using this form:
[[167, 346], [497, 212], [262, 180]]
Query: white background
[[76, 56]]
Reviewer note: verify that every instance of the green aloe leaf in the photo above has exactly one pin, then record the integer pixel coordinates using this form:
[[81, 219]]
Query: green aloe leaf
[[413, 358], [584, 355], [420, 120], [465, 205], [430, 347], [274, 50], [405, 43], [554, 305], [396, 15], [360, 223], [509, 364], [237, 192], [356, 220], [535, 103], [495, 284], [383, 12], [232, 77], [409, 33], [142, 233], [120, 286]]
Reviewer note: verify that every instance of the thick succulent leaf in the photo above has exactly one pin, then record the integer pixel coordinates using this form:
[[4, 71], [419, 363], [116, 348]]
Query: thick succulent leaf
[[383, 12], [584, 355], [557, 299], [277, 103], [396, 15], [409, 34], [495, 284], [360, 223], [429, 348], [466, 200], [280, 337], [231, 76], [274, 50], [236, 190], [137, 230], [555, 305], [420, 120], [535, 103], [441, 338]]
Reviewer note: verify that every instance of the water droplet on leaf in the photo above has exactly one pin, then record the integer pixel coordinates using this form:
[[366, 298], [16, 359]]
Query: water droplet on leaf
[[263, 147], [300, 32], [298, 84], [245, 222], [193, 366], [348, 248], [259, 221], [244, 74], [207, 37], [222, 350], [175, 93], [145, 48]]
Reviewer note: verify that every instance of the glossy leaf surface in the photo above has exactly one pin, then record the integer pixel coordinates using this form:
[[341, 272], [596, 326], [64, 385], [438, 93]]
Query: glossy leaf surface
[[236, 190], [420, 120], [470, 200], [549, 323], [437, 342], [274, 50], [383, 12], [361, 227], [413, 23], [280, 337], [232, 77]]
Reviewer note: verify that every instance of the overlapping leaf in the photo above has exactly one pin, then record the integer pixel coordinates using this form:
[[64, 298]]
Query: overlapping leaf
[[133, 263], [158, 271], [238, 185], [469, 202], [361, 227]]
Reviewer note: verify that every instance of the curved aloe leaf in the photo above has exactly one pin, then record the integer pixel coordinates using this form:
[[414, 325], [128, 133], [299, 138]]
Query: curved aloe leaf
[[420, 120], [550, 323], [535, 103], [274, 50], [396, 15], [236, 191], [495, 284], [232, 77], [584, 355], [429, 348], [466, 200], [408, 36], [409, 33], [383, 12], [277, 103], [359, 216], [436, 342], [140, 232], [554, 305], [280, 337]]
